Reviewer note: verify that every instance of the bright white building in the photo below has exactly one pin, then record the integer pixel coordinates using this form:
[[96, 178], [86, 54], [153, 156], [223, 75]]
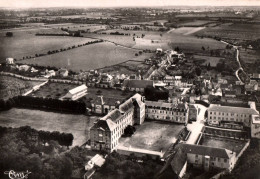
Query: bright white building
[[76, 93]]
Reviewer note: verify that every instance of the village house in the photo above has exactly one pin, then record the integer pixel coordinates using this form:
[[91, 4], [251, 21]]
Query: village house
[[193, 112], [106, 81], [105, 134], [255, 128], [102, 105], [136, 85], [209, 157], [167, 111], [217, 114], [62, 72], [76, 93], [9, 61]]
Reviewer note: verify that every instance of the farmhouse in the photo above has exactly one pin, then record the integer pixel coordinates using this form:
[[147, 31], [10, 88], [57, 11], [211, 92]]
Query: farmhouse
[[105, 134], [217, 114], [136, 85], [76, 93], [167, 111]]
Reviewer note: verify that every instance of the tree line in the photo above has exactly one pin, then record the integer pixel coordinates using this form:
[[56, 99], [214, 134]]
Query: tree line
[[44, 103]]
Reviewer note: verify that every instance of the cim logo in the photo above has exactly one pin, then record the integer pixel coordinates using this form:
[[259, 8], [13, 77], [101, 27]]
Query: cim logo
[[17, 175]]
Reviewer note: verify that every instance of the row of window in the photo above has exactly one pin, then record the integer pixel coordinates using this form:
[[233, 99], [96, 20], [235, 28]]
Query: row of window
[[231, 114]]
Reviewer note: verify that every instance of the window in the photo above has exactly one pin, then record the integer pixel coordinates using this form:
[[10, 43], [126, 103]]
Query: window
[[196, 156], [225, 160]]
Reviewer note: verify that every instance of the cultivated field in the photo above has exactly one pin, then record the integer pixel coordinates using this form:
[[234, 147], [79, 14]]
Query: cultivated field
[[156, 136], [53, 90], [87, 57], [207, 59], [25, 43], [230, 144], [10, 86], [78, 125], [233, 32], [187, 30], [196, 23]]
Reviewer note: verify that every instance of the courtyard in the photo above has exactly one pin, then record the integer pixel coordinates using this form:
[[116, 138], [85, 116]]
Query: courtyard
[[226, 143], [153, 135]]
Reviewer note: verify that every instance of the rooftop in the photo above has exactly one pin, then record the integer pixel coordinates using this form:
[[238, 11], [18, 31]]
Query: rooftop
[[78, 89], [230, 109], [209, 151]]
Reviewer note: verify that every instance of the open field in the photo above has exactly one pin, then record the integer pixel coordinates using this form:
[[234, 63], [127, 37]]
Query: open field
[[208, 59], [78, 125], [235, 32], [230, 144], [53, 90], [127, 68], [75, 27], [25, 43], [187, 30], [10, 86], [250, 60], [153, 135], [88, 57], [195, 23]]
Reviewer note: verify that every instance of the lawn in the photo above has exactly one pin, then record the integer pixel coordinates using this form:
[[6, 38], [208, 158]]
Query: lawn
[[25, 43], [230, 144], [53, 90], [153, 135], [10, 86], [88, 57], [78, 125]]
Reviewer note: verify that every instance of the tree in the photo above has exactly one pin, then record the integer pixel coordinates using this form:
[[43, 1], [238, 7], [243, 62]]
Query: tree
[[198, 71], [9, 34]]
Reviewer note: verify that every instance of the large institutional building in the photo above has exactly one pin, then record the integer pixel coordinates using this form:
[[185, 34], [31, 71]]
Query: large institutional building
[[167, 111], [218, 114], [105, 134]]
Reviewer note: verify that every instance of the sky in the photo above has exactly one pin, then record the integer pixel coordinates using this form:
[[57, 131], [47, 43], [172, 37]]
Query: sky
[[119, 3]]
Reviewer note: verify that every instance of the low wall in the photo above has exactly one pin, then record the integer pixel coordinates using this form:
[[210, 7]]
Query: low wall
[[35, 88], [138, 152], [66, 81], [243, 150], [22, 77]]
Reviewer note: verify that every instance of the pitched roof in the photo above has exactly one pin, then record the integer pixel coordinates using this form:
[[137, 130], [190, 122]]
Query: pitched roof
[[106, 125], [230, 109], [209, 151], [113, 115], [137, 83], [78, 89]]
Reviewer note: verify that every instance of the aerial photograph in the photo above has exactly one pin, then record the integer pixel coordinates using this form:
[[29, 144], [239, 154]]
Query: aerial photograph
[[129, 89]]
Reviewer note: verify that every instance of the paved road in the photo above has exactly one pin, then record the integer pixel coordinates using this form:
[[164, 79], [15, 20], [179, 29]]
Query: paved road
[[197, 126]]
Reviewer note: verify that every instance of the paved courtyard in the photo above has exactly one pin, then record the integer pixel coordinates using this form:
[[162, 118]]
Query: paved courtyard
[[153, 135]]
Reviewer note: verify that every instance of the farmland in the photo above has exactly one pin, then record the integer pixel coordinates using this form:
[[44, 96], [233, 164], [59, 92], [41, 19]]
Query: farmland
[[25, 43], [10, 86], [88, 57], [78, 125], [235, 33], [196, 23], [208, 59]]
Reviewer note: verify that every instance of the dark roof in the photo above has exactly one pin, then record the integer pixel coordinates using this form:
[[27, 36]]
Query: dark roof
[[113, 115], [137, 83], [239, 110], [179, 160], [204, 150], [103, 125], [126, 105]]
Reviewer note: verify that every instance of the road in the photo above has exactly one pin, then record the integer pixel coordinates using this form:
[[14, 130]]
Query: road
[[238, 61], [197, 126]]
